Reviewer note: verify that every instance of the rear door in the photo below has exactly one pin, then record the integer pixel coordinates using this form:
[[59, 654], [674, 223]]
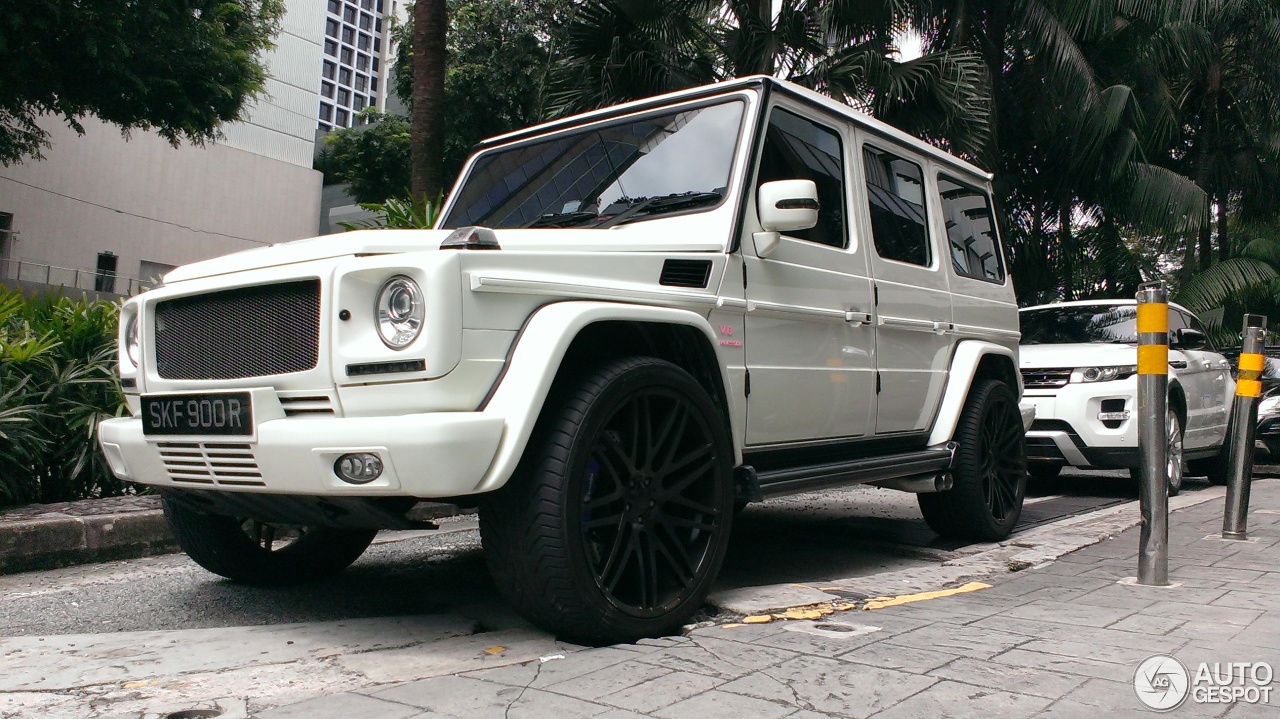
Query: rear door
[[912, 297]]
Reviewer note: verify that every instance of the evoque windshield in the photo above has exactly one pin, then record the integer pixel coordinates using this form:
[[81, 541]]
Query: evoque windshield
[[632, 170], [1079, 323]]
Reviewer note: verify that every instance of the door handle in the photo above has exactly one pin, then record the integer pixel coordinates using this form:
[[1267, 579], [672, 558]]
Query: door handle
[[1177, 364], [854, 317]]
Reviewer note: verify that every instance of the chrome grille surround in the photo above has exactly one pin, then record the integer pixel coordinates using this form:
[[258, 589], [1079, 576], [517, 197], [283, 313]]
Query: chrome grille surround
[[244, 332], [1046, 378]]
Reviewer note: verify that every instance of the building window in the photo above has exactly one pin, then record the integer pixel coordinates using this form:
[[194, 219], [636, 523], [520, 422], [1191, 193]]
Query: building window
[[105, 280], [330, 47], [373, 84], [330, 69], [326, 112], [326, 89], [344, 76], [362, 83], [349, 14], [347, 54], [380, 6], [375, 64], [377, 25], [344, 97], [366, 4], [377, 44], [362, 62], [331, 27], [363, 44], [343, 118], [335, 7], [359, 103], [349, 35], [366, 21]]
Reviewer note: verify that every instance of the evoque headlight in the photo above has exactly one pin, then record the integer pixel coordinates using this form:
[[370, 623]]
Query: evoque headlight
[[133, 339], [400, 312], [1269, 405], [1103, 374]]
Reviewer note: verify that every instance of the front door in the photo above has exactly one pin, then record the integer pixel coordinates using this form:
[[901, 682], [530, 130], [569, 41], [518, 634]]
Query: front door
[[809, 339]]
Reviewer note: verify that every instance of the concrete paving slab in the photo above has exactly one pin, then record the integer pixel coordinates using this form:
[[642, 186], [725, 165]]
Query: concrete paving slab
[[965, 701]]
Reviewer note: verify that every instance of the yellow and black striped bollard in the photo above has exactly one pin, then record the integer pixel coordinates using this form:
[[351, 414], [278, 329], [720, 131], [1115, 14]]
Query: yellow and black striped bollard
[[1240, 458], [1153, 402]]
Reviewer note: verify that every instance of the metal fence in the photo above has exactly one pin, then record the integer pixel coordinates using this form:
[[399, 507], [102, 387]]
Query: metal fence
[[40, 273]]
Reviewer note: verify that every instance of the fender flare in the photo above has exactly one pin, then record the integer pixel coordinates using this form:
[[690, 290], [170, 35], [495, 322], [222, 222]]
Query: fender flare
[[535, 361], [964, 365]]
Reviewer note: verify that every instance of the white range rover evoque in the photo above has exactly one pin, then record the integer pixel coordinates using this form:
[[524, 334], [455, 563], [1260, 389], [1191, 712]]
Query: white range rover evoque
[[1079, 369], [625, 324]]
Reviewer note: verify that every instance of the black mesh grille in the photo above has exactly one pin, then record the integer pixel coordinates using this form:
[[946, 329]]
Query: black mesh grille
[[685, 273], [245, 332]]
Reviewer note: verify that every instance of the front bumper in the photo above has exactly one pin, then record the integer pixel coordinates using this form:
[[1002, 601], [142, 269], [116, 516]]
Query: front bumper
[[1067, 430], [438, 454]]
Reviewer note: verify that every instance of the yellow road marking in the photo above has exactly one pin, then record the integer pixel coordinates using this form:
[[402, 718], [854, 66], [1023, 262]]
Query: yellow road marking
[[882, 602]]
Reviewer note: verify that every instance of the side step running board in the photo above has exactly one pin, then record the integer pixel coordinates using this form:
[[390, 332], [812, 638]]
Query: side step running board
[[909, 471]]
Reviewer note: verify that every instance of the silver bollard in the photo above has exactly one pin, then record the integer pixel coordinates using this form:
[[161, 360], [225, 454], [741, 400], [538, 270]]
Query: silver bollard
[[1240, 456], [1153, 402]]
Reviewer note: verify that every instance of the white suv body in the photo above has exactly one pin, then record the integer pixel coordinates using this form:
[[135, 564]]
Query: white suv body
[[627, 322], [1079, 370]]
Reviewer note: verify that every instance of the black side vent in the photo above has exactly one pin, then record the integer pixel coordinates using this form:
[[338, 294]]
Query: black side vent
[[685, 273]]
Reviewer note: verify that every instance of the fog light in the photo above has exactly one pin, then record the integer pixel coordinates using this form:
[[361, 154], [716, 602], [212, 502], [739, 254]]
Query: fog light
[[359, 468]]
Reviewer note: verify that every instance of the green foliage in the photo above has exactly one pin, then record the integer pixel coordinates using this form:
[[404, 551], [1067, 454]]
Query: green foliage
[[499, 55], [57, 381], [399, 214], [374, 158], [179, 67]]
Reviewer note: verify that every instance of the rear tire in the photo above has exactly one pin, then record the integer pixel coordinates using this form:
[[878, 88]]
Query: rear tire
[[990, 469], [265, 554], [617, 519]]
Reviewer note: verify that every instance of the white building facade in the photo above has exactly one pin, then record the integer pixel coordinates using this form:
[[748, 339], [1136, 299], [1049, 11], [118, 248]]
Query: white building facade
[[108, 213]]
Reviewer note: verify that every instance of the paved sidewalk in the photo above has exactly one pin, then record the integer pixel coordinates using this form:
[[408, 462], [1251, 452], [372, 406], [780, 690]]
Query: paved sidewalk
[[1057, 641], [45, 536]]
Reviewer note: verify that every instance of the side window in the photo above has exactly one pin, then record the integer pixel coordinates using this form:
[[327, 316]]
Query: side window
[[971, 231], [1194, 323], [895, 190], [799, 149]]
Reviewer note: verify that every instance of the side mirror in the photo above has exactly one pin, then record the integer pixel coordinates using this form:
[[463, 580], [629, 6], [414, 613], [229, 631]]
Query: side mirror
[[1189, 339], [787, 205]]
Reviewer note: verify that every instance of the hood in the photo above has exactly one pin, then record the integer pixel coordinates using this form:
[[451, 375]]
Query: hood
[[1086, 354], [639, 237]]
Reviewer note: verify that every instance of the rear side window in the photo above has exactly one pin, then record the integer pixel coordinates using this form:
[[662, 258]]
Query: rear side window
[[895, 191], [971, 231], [799, 149]]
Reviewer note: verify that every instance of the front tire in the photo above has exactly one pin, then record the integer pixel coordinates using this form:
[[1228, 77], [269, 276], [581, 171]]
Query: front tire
[[262, 553], [617, 520], [990, 469], [1175, 467]]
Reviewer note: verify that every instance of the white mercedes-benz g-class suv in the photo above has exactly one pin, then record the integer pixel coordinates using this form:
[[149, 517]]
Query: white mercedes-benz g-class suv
[[625, 325]]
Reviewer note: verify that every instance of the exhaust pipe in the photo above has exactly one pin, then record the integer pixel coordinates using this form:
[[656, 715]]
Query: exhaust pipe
[[919, 484]]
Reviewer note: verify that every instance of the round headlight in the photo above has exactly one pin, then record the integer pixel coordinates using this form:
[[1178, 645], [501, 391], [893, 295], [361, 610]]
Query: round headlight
[[400, 312], [132, 339]]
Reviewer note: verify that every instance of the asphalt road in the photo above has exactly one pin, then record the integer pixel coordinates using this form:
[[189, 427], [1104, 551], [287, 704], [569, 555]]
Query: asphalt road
[[809, 538]]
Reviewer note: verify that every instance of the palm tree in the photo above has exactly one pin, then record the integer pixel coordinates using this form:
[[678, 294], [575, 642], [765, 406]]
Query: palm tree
[[430, 28]]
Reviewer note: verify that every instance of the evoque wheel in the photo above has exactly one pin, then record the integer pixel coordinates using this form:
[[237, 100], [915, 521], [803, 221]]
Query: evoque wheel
[[990, 469], [617, 520]]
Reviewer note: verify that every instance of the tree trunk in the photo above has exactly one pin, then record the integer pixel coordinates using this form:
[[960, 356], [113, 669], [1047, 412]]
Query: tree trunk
[[1206, 233], [1224, 240], [1065, 247], [430, 25]]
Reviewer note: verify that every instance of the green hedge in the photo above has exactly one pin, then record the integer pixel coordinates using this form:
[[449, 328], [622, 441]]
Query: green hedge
[[57, 381]]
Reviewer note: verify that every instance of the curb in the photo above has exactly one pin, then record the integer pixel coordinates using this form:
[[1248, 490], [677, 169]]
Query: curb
[[53, 541], [39, 537]]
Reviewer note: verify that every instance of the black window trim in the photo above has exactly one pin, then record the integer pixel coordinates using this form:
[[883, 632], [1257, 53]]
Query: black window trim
[[995, 226], [934, 263], [828, 122]]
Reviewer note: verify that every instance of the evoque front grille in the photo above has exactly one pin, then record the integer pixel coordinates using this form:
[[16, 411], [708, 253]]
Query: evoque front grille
[[238, 333]]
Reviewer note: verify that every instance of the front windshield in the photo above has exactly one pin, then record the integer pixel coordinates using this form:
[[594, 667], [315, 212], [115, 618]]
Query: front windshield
[[632, 170], [1087, 323]]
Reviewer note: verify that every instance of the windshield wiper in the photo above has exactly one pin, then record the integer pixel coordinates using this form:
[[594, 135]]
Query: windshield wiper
[[562, 219], [651, 206]]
